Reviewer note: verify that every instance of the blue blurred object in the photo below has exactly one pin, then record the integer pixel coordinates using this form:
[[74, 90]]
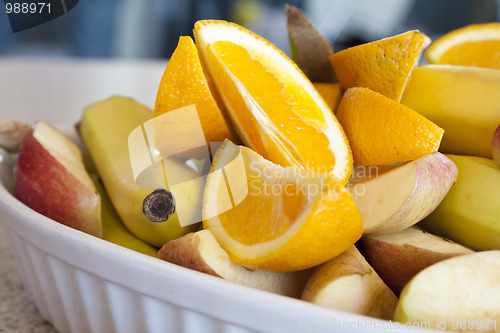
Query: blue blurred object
[[92, 28], [150, 28], [6, 34]]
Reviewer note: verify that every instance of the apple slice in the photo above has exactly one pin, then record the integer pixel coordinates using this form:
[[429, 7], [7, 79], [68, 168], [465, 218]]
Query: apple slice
[[399, 256], [51, 179], [348, 283], [459, 294], [495, 147], [393, 198], [201, 251]]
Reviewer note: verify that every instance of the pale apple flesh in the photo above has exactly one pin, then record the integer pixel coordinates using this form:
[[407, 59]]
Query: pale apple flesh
[[50, 178], [495, 147], [348, 283], [200, 251], [399, 256], [398, 197], [457, 294]]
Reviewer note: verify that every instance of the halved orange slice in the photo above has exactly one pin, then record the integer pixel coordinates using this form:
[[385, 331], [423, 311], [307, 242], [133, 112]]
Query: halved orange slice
[[275, 108], [474, 45], [270, 217]]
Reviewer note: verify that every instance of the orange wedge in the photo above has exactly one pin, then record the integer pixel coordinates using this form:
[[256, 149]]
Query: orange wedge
[[474, 45], [382, 131], [383, 66], [275, 108], [183, 84], [331, 92], [274, 218]]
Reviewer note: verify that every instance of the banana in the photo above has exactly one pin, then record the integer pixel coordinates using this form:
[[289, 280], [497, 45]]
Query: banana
[[470, 213], [113, 229], [462, 100], [105, 128]]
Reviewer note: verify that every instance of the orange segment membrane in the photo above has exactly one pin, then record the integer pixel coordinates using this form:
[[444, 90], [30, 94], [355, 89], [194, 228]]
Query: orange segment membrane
[[285, 124]]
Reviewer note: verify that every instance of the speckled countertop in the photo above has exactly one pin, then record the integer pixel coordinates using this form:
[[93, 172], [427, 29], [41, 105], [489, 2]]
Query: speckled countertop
[[17, 312]]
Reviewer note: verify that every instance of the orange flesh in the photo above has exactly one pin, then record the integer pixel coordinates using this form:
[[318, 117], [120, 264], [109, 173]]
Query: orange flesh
[[287, 125], [184, 83], [273, 203], [480, 54]]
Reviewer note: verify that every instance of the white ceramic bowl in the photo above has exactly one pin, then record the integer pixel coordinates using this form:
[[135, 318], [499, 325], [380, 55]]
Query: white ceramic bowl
[[84, 284]]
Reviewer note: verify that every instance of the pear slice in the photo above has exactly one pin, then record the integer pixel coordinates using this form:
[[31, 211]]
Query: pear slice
[[310, 50]]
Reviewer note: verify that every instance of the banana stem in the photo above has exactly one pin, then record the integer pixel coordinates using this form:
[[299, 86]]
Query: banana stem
[[159, 205]]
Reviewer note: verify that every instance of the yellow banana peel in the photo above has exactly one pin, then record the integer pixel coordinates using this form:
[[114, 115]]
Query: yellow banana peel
[[105, 127], [114, 230]]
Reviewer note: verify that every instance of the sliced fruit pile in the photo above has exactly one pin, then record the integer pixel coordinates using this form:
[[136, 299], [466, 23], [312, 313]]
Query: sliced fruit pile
[[111, 147], [380, 129], [286, 166]]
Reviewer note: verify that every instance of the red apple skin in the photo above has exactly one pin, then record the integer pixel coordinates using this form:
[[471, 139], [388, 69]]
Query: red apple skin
[[42, 183], [495, 147], [397, 265]]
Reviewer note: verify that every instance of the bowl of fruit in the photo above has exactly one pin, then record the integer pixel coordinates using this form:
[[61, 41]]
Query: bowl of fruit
[[338, 191]]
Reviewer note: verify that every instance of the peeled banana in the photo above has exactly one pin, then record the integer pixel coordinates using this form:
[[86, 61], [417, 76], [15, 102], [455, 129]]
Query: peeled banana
[[470, 212], [113, 229], [465, 101], [105, 128]]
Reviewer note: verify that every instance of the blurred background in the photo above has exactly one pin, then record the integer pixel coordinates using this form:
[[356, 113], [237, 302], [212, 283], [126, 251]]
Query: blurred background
[[150, 28]]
